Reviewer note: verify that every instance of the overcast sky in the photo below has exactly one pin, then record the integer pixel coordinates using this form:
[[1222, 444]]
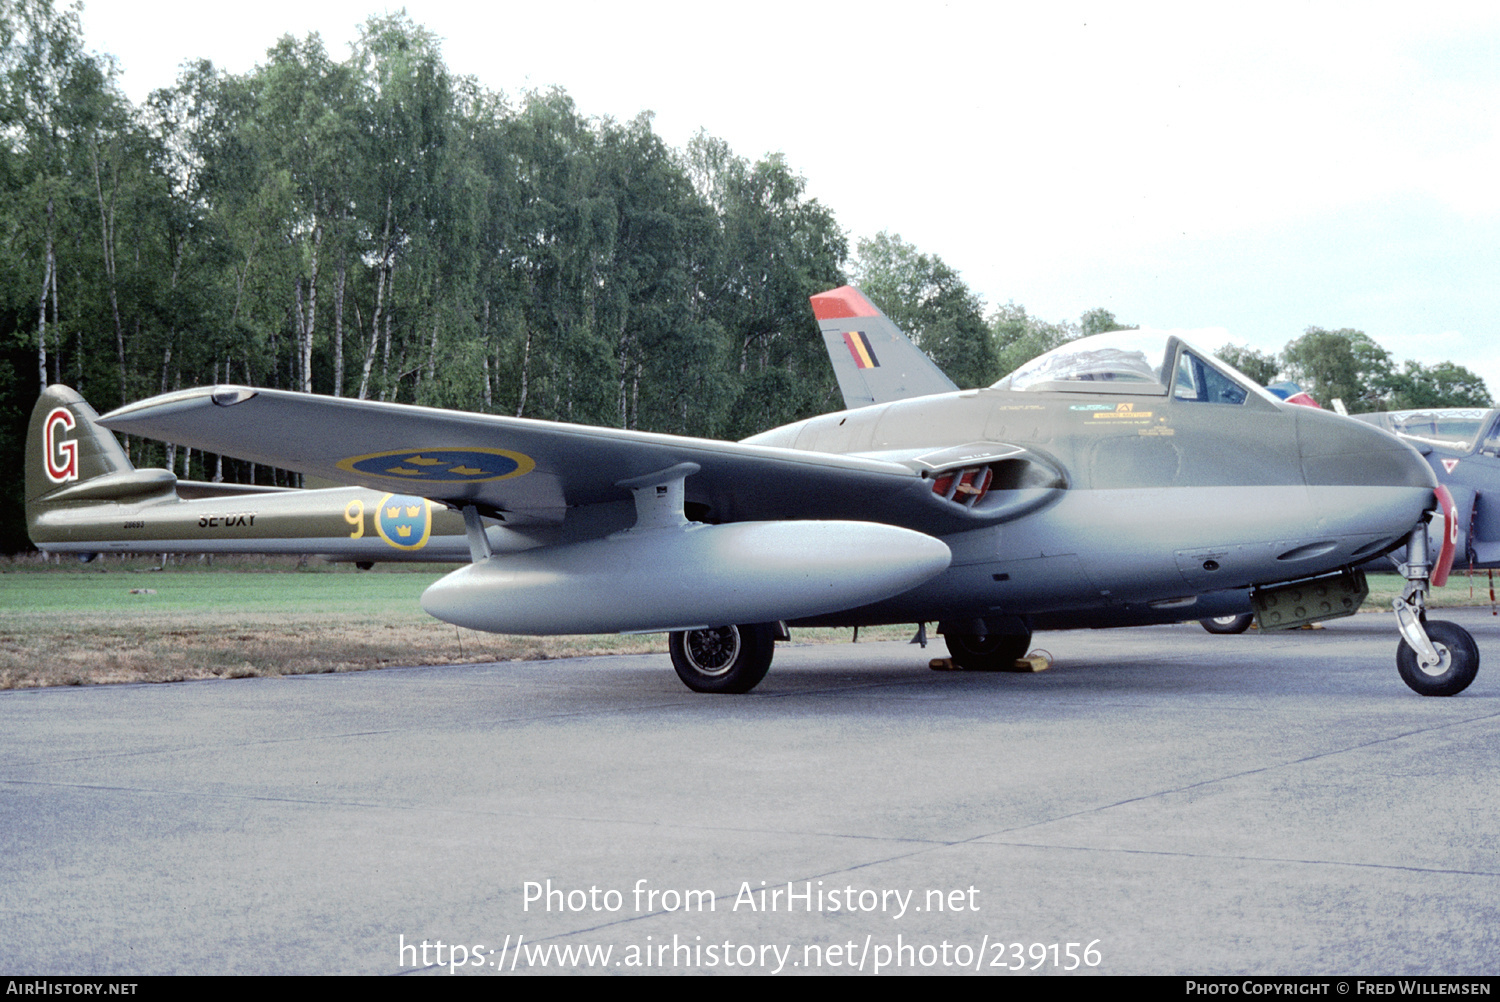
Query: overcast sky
[[1257, 170]]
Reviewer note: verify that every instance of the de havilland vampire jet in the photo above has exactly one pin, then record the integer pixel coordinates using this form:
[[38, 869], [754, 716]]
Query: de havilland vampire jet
[[1119, 480]]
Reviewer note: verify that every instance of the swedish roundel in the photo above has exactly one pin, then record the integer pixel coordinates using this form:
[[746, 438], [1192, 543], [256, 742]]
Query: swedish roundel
[[404, 522], [468, 465]]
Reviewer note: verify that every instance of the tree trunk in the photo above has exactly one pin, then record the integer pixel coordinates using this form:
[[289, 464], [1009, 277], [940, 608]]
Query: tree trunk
[[484, 339], [432, 350], [338, 331], [635, 396], [309, 323], [385, 342], [381, 279], [297, 333], [240, 275], [525, 370], [48, 267], [364, 378], [57, 334], [107, 240]]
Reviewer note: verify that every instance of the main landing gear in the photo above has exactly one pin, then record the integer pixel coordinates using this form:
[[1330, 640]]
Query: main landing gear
[[730, 659], [733, 659], [995, 652], [1228, 624], [1435, 658]]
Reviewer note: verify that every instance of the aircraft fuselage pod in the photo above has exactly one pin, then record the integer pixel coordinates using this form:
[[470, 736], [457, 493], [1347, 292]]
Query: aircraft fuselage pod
[[1127, 503]]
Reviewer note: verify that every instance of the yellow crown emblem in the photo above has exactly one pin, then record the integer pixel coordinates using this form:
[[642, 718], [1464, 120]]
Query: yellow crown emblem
[[393, 513], [403, 530], [413, 511]]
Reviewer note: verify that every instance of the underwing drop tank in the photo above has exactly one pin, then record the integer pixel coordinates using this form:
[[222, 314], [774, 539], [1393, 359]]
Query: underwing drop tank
[[687, 577]]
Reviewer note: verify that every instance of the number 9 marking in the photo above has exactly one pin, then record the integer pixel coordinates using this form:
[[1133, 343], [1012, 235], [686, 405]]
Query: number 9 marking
[[354, 514]]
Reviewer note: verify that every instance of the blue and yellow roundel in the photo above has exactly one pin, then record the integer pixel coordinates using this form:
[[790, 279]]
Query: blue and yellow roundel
[[404, 522], [468, 465]]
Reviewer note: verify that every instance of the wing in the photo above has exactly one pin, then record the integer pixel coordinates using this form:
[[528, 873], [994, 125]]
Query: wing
[[875, 363], [530, 471]]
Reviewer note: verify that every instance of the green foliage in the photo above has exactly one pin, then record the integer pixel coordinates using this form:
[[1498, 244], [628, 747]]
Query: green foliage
[[1101, 321], [1344, 364], [1442, 385], [930, 302], [767, 249], [378, 227], [1020, 337]]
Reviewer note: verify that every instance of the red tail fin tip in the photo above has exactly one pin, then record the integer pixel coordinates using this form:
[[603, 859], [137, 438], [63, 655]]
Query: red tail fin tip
[[845, 301]]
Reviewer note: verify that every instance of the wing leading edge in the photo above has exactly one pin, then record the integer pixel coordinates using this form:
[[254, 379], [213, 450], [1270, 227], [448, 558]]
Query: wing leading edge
[[527, 470]]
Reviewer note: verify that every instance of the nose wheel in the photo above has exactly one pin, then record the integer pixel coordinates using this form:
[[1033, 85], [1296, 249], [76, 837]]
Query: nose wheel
[[1454, 663], [1436, 658]]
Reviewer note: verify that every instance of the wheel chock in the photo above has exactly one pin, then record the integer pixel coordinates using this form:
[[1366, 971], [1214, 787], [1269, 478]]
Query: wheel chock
[[1034, 662]]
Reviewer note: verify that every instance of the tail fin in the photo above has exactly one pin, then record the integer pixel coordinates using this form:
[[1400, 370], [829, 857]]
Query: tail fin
[[70, 460], [875, 363]]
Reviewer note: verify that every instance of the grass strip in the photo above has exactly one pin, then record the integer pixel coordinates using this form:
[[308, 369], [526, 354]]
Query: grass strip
[[140, 620]]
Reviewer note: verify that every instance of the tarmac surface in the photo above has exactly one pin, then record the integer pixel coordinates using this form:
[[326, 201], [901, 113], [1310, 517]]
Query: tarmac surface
[[1165, 801]]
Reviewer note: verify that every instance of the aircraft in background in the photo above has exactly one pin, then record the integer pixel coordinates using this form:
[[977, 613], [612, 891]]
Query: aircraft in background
[[1462, 445], [1123, 479], [1292, 394]]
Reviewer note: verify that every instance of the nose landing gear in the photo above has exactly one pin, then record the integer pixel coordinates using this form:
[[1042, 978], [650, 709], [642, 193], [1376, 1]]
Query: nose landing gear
[[1435, 658]]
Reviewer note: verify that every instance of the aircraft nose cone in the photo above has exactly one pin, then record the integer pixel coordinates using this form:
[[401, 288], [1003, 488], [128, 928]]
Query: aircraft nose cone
[[1341, 452], [1364, 485]]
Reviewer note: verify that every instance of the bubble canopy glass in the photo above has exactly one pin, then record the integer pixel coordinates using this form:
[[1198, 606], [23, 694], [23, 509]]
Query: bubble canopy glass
[[1135, 362]]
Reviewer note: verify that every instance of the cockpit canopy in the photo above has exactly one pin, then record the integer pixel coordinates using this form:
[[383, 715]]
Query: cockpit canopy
[[1141, 362], [1457, 429]]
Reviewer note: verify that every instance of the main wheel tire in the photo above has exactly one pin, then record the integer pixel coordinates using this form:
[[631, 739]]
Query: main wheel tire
[[1228, 624], [725, 658], [996, 652], [1458, 665]]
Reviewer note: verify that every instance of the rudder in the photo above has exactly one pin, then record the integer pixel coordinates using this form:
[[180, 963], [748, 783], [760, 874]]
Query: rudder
[[72, 460]]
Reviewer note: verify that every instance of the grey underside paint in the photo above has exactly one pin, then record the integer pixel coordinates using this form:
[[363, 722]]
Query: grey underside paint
[[1115, 552]]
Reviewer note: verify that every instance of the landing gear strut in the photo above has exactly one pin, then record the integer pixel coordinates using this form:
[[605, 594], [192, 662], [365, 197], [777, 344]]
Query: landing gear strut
[[1435, 658]]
